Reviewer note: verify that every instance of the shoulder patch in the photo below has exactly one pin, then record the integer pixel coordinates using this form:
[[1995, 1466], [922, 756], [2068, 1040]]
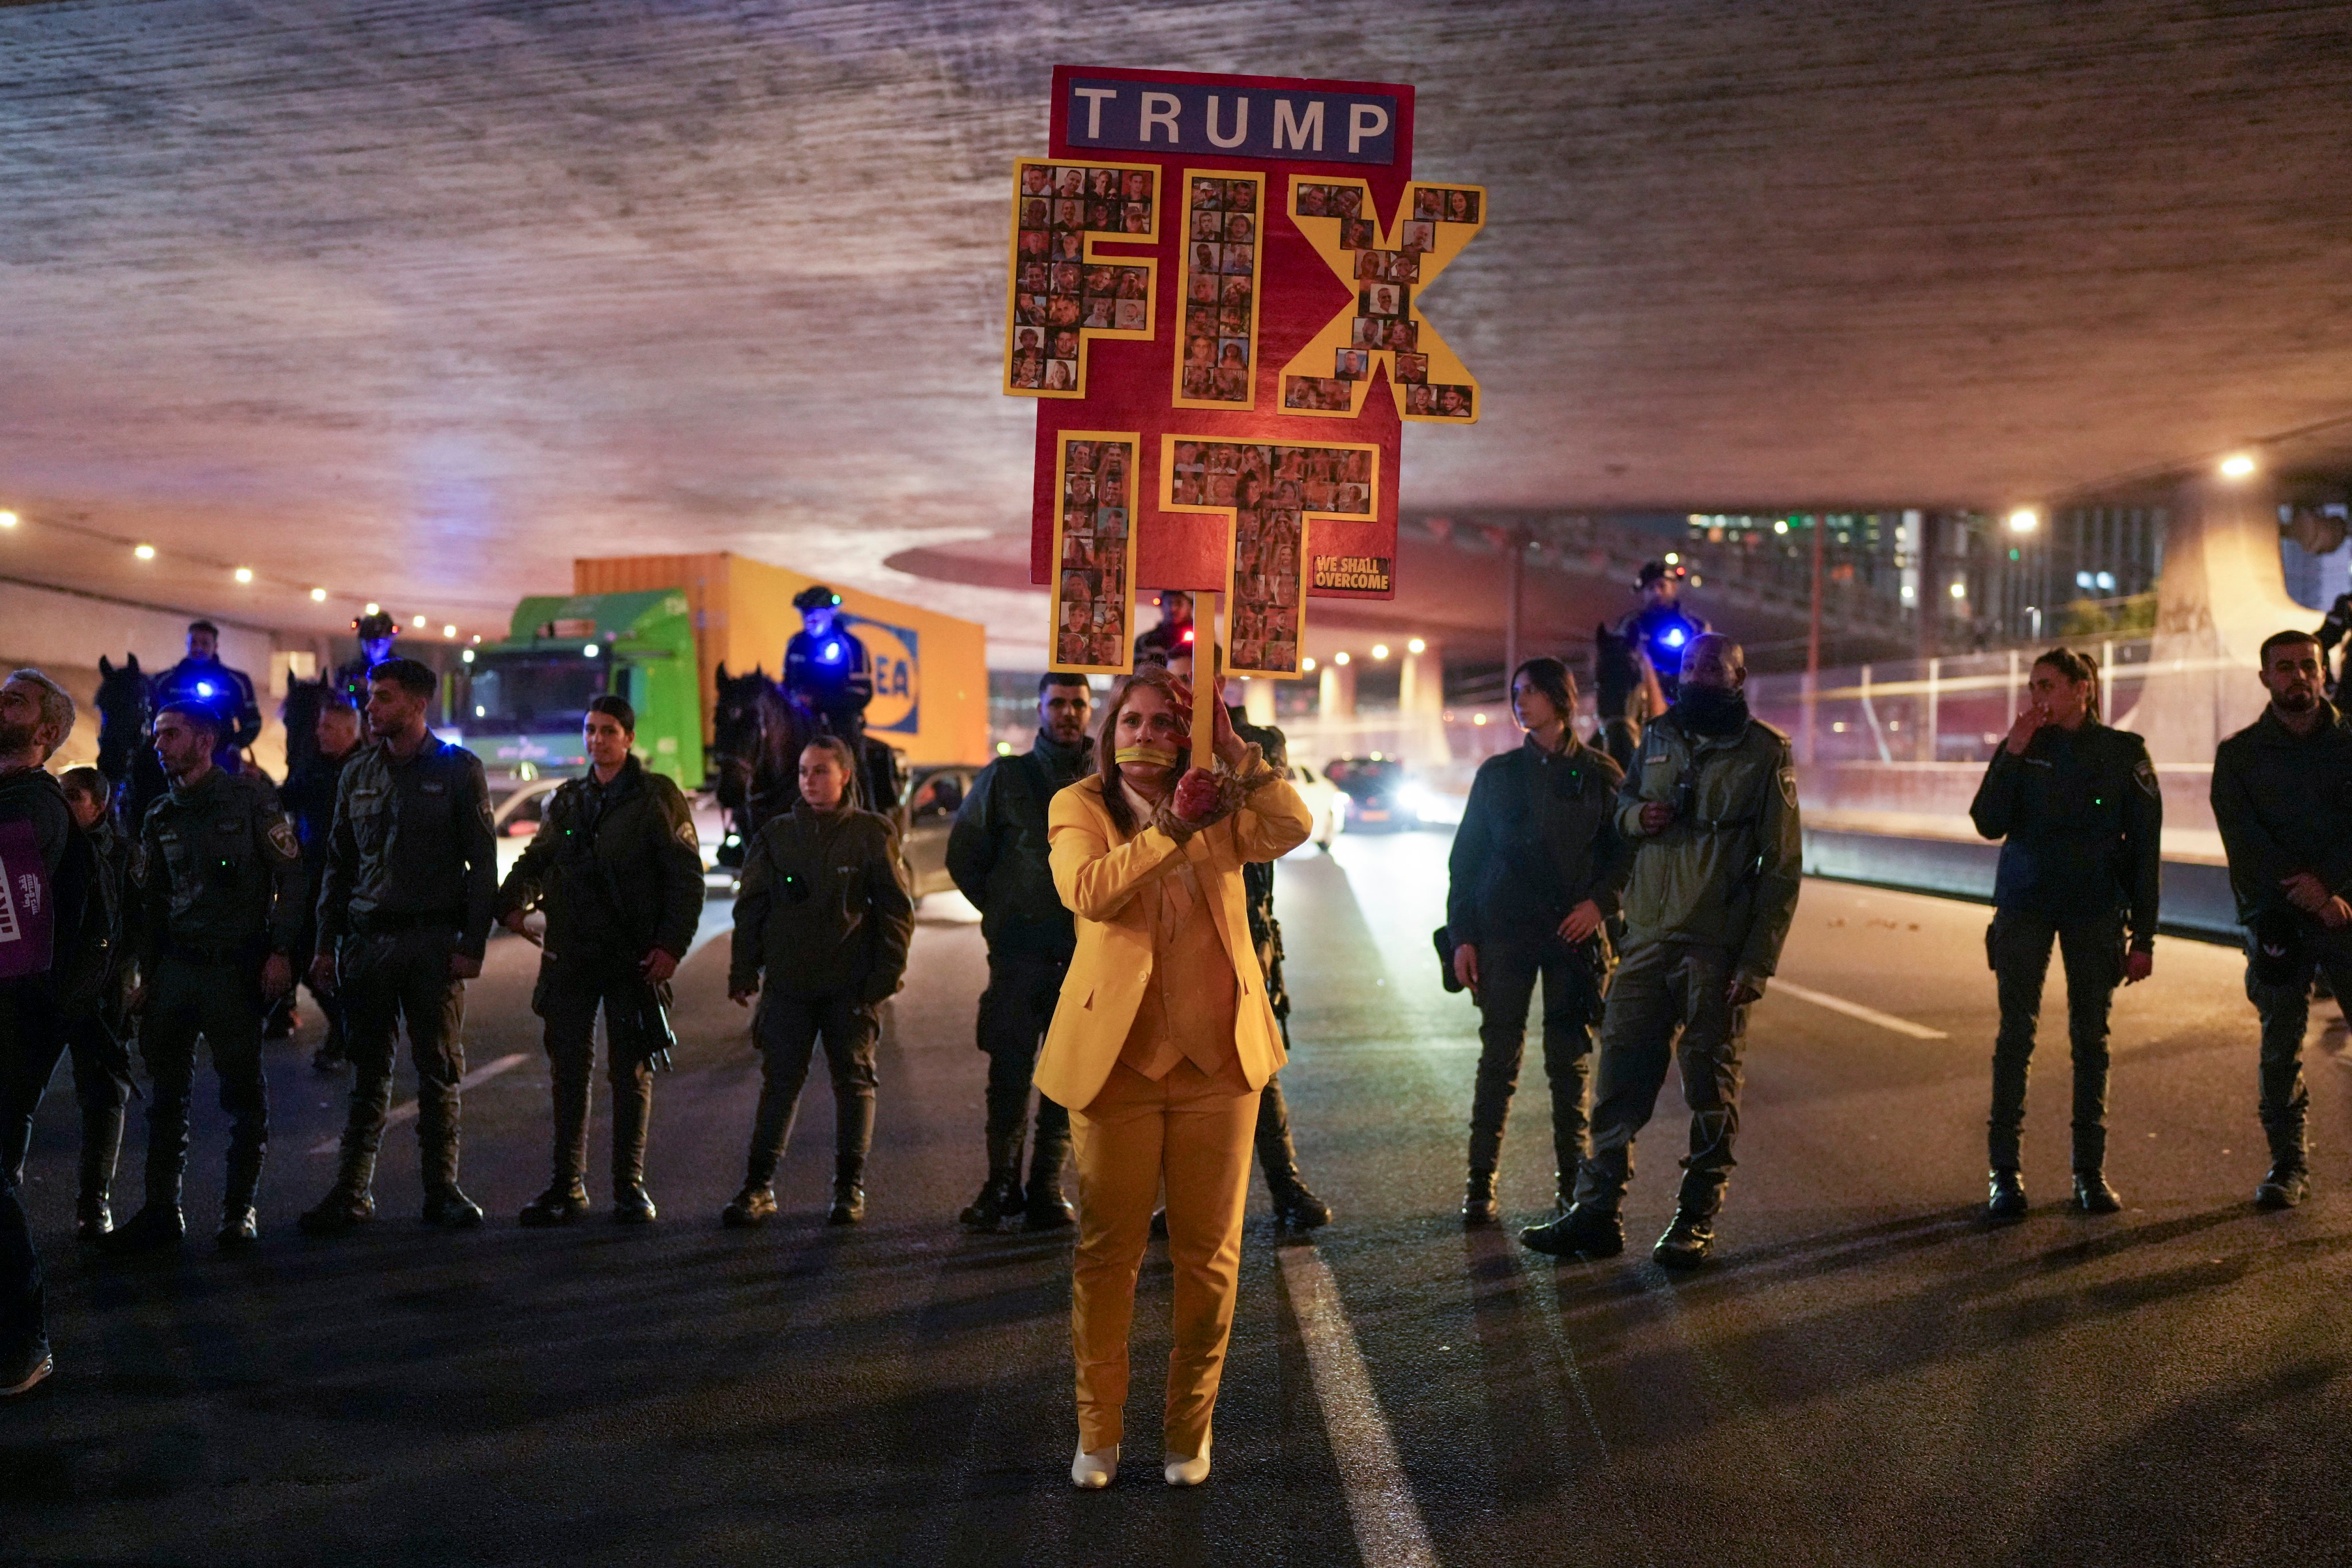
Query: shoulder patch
[[2144, 776], [1788, 778], [282, 840]]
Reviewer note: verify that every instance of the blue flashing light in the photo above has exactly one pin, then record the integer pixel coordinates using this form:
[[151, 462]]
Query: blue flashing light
[[830, 653], [1673, 638], [203, 689]]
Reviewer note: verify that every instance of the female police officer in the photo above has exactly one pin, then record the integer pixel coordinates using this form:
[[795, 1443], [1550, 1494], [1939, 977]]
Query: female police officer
[[2077, 808]]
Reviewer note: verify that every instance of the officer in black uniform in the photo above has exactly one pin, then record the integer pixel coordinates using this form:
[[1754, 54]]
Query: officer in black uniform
[[2077, 808], [825, 666], [220, 882], [2282, 800], [1173, 633], [997, 854], [404, 915], [203, 678], [1662, 630], [1295, 1204], [376, 632], [99, 1028], [618, 869], [310, 799], [1537, 870]]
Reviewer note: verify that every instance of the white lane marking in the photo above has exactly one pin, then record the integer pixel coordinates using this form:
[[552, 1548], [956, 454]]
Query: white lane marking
[[1389, 1529], [1856, 1010], [407, 1108]]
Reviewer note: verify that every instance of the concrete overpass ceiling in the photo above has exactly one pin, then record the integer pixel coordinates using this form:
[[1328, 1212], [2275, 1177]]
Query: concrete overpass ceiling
[[416, 302]]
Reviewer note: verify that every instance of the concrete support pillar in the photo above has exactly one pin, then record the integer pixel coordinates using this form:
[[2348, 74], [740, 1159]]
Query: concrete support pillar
[[1257, 701], [1420, 707], [1337, 699], [2223, 592]]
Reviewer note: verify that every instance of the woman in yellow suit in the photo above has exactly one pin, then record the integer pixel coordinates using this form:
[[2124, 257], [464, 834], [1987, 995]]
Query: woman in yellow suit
[[1163, 1038]]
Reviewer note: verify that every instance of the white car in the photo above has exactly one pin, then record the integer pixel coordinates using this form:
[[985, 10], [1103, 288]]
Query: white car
[[1322, 798]]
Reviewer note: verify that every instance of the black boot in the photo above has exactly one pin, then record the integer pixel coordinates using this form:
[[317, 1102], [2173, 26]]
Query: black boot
[[2005, 1195], [93, 1219], [848, 1191], [999, 1203], [631, 1114], [2093, 1196], [1295, 1206], [754, 1206], [1586, 1230], [348, 1204], [156, 1227], [241, 1222], [1688, 1242], [102, 1141], [562, 1203], [451, 1209], [158, 1223], [1043, 1206], [2286, 1186], [1479, 1205]]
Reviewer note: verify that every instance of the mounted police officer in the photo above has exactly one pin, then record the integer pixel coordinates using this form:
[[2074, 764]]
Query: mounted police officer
[[1711, 807], [220, 879], [200, 678], [403, 914], [1662, 631], [2077, 808], [997, 855], [825, 666], [2282, 800], [616, 867], [376, 632], [1537, 870]]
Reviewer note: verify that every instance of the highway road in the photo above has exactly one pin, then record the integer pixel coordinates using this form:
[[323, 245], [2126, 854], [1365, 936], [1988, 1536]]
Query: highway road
[[1869, 1375]]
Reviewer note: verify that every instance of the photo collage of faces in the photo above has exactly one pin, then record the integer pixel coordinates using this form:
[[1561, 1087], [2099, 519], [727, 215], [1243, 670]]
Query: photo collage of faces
[[1094, 600], [1057, 293], [1271, 490], [1384, 283], [1221, 241]]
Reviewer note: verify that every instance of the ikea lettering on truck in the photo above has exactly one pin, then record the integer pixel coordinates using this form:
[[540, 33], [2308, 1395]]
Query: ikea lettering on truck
[[893, 654]]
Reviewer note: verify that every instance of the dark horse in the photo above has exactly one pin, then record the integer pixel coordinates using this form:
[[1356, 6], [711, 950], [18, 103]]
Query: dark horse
[[126, 739], [757, 736], [299, 715]]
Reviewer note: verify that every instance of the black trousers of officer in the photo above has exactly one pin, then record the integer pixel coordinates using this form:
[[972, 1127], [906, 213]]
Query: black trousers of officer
[[102, 1075], [222, 1002], [1014, 1013], [2285, 1007], [570, 992], [330, 1005], [387, 980], [2092, 950], [1508, 972], [1668, 1001], [31, 1040], [788, 1030]]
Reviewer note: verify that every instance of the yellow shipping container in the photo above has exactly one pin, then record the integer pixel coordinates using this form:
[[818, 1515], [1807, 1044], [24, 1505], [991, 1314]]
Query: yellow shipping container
[[930, 672]]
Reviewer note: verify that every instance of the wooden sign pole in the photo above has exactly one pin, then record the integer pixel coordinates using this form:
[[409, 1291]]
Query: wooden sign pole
[[1205, 680]]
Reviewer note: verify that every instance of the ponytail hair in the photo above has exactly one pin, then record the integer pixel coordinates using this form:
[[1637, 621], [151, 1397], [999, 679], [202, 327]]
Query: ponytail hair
[[2076, 667]]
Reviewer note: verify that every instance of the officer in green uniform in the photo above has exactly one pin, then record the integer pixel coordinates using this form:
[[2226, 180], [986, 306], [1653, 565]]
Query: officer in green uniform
[[1711, 807], [2076, 805], [618, 869], [2282, 800], [403, 914], [220, 879]]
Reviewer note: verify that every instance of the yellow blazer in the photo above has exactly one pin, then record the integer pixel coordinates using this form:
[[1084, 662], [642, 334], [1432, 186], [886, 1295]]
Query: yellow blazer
[[1099, 871]]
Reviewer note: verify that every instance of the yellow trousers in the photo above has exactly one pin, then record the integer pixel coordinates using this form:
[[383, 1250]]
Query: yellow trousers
[[1192, 1133]]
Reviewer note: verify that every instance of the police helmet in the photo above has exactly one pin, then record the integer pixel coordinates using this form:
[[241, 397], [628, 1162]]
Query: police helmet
[[816, 596], [1659, 572], [367, 628]]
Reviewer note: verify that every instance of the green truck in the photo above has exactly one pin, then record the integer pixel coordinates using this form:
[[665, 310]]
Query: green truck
[[519, 702]]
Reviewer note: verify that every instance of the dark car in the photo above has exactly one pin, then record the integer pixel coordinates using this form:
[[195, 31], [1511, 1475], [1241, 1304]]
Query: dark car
[[1372, 793], [933, 793]]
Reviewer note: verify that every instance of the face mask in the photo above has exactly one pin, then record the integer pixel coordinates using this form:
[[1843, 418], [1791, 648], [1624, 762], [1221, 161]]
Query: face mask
[[1712, 709], [1157, 756]]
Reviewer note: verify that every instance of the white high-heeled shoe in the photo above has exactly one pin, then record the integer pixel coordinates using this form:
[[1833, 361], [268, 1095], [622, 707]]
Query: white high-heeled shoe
[[1183, 1472], [1092, 1472]]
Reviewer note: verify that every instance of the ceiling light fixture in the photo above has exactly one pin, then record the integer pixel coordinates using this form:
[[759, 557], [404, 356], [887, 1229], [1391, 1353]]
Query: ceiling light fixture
[[144, 551], [2238, 465], [1416, 646], [244, 574], [2024, 519], [318, 595]]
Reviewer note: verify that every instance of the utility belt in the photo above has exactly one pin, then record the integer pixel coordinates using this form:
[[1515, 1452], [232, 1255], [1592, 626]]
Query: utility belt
[[392, 923]]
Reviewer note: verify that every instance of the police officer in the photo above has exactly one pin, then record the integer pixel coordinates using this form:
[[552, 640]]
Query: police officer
[[200, 678], [1711, 807], [2282, 800], [1295, 1204], [36, 825], [997, 855], [825, 666], [403, 914], [220, 879], [1174, 631], [2077, 806], [821, 924], [1662, 631], [309, 800], [376, 632], [1535, 872], [617, 869], [98, 1026]]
